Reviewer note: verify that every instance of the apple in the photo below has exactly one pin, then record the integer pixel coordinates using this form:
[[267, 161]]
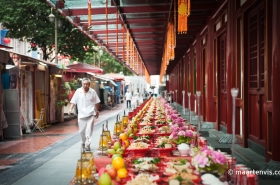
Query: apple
[[111, 151], [119, 151], [117, 145], [101, 171], [112, 172], [105, 179], [129, 131], [114, 182], [117, 179], [116, 155]]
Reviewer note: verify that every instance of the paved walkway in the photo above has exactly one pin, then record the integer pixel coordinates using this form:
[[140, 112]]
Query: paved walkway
[[49, 157]]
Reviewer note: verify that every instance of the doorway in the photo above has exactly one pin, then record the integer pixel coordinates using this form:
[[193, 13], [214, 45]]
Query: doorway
[[255, 78]]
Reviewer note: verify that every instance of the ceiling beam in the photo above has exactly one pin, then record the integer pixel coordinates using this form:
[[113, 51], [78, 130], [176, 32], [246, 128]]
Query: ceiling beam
[[112, 10]]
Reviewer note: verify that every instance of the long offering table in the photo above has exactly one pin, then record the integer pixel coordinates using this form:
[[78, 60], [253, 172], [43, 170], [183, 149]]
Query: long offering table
[[159, 147]]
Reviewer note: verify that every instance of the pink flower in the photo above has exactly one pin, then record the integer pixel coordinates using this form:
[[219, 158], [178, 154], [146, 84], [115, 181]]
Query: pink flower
[[206, 150], [180, 124], [200, 161], [173, 116], [183, 128], [189, 133], [218, 157], [181, 133], [180, 120], [174, 135], [174, 128]]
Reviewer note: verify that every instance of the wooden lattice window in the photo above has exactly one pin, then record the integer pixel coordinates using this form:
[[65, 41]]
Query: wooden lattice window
[[256, 51]]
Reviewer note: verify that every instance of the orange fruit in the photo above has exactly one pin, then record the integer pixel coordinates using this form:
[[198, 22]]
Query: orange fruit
[[118, 163], [122, 173], [126, 142], [123, 136]]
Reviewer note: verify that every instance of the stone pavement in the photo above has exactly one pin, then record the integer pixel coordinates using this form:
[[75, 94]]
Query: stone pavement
[[49, 157]]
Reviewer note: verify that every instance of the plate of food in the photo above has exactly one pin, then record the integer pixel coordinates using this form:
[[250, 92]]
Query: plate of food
[[160, 122], [142, 178], [145, 139], [145, 164], [137, 149], [146, 122], [147, 130]]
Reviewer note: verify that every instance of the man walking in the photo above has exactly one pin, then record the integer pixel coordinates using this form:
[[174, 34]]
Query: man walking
[[128, 97], [87, 102]]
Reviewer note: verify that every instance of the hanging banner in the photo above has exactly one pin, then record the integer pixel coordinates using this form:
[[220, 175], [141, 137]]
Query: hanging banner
[[89, 14], [183, 13]]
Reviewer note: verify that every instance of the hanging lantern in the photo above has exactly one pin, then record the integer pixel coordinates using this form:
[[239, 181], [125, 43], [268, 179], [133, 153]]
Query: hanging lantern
[[107, 133], [183, 13], [89, 14], [124, 120], [7, 40], [117, 129], [106, 11], [103, 140]]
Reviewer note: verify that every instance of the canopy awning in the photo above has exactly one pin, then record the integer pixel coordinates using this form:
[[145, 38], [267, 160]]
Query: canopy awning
[[24, 59], [99, 77], [4, 46], [113, 83], [114, 76], [84, 68]]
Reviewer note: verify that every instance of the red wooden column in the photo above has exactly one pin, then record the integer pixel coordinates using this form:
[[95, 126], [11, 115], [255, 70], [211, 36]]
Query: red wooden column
[[230, 61], [275, 80], [210, 106], [191, 78]]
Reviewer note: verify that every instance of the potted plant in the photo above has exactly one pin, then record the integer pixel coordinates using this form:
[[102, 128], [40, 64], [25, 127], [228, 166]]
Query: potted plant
[[73, 85], [62, 103]]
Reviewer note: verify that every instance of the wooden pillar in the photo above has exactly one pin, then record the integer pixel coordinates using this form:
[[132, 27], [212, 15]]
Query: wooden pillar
[[275, 80], [210, 105], [230, 61], [191, 90]]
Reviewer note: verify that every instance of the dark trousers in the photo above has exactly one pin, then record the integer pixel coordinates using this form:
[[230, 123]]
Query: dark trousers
[[128, 102]]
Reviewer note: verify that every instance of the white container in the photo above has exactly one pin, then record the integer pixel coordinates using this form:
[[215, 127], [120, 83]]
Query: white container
[[184, 149]]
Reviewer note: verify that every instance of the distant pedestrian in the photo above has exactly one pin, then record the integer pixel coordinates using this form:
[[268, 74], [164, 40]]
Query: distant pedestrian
[[87, 102], [145, 95], [140, 100], [155, 91], [136, 95], [128, 97]]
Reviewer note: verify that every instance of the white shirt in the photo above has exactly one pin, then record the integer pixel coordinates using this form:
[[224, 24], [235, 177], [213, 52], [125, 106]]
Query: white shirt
[[136, 94], [155, 90], [85, 102], [128, 96]]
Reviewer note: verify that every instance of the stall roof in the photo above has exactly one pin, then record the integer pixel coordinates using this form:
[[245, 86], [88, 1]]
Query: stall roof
[[114, 76], [112, 82], [84, 68], [99, 77], [103, 78], [4, 46], [25, 58]]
